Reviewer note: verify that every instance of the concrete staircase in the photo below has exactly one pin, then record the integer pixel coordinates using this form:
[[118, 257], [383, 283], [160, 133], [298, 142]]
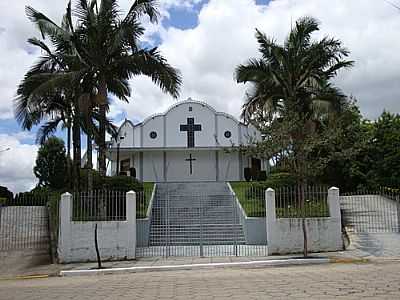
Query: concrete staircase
[[193, 214]]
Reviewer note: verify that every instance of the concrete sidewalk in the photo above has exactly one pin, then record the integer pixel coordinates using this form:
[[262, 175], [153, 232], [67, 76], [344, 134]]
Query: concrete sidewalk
[[27, 262], [21, 265], [174, 263]]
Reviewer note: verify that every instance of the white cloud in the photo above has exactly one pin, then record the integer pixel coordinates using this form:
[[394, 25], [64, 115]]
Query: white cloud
[[16, 165], [208, 54]]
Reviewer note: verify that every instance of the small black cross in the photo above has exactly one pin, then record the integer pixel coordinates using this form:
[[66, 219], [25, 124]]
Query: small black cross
[[190, 128], [190, 160]]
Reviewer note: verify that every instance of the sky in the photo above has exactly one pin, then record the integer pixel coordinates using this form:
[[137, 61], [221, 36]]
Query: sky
[[206, 40]]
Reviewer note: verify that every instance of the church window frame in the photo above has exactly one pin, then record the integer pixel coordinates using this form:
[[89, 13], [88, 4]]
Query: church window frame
[[153, 135], [227, 134]]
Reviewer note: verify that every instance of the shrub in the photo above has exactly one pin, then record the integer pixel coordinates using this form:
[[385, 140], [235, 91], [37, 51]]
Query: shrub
[[277, 180], [5, 193], [122, 183], [263, 176]]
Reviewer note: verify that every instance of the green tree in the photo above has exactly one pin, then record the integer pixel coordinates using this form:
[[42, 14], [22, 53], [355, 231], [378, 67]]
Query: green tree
[[291, 95], [111, 49], [105, 53], [51, 164], [385, 150]]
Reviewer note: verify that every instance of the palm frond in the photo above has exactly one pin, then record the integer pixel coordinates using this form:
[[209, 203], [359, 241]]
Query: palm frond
[[143, 7], [46, 26], [152, 64], [47, 130]]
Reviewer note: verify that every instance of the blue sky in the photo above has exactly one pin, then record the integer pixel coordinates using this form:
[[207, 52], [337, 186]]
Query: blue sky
[[179, 17], [206, 40]]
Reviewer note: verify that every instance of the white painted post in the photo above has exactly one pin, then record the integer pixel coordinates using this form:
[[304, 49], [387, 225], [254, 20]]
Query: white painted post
[[64, 236], [270, 214], [335, 232], [131, 219], [334, 202]]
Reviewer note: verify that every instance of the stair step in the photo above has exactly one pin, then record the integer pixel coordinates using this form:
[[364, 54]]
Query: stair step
[[187, 214]]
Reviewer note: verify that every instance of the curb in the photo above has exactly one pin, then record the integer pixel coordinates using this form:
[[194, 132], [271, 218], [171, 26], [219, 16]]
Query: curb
[[247, 264], [25, 277]]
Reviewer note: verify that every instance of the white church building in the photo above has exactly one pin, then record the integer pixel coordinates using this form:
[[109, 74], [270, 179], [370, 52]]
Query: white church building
[[191, 141]]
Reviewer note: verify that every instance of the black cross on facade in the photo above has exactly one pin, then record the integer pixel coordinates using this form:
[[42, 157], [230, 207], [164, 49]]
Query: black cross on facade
[[190, 160], [190, 128]]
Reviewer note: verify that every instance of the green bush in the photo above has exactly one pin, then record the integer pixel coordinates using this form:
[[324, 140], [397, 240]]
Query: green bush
[[5, 193], [275, 180], [122, 183], [119, 183], [263, 176], [37, 196]]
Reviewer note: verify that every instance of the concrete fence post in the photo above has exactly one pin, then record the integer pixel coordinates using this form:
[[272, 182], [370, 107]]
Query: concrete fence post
[[270, 215], [64, 229], [334, 202], [131, 219]]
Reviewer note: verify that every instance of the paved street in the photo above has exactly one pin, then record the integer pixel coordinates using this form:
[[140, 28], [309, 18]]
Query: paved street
[[346, 281]]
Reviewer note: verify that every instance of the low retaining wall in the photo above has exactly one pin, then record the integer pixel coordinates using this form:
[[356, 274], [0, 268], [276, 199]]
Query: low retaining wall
[[285, 235], [116, 239], [253, 228]]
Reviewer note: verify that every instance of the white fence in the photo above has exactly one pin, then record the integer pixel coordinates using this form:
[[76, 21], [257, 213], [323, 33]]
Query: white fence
[[285, 235], [116, 239]]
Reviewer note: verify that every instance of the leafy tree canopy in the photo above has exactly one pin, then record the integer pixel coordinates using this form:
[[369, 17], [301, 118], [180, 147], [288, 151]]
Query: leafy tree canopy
[[51, 164]]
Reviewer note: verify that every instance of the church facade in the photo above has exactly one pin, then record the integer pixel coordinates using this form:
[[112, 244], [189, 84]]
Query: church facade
[[191, 142]]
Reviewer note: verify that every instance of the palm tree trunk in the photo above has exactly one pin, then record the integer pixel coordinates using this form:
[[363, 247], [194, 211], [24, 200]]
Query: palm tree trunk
[[89, 164], [69, 166], [76, 136], [102, 128]]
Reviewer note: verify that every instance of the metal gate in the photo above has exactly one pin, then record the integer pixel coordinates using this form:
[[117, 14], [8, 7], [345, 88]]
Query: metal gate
[[195, 224], [371, 212], [24, 224]]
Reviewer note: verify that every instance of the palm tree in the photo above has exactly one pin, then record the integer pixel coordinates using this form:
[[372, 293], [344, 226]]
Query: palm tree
[[50, 90], [291, 90], [106, 53], [293, 80], [110, 50]]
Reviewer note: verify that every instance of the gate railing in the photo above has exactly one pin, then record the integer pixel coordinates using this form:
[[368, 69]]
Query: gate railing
[[371, 211], [24, 222]]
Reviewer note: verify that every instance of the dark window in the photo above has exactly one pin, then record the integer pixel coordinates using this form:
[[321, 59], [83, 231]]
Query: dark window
[[190, 108], [153, 134], [227, 134]]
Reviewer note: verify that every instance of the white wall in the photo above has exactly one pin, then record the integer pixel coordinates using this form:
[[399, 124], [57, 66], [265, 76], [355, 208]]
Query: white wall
[[155, 124], [153, 170], [226, 123], [178, 116], [203, 168], [213, 123], [116, 239], [285, 235], [125, 131], [228, 166]]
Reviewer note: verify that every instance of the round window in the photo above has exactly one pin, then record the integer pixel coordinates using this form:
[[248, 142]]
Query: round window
[[153, 134], [227, 134]]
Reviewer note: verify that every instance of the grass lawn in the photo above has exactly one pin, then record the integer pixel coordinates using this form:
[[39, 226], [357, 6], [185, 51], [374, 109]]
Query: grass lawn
[[252, 199], [143, 199]]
